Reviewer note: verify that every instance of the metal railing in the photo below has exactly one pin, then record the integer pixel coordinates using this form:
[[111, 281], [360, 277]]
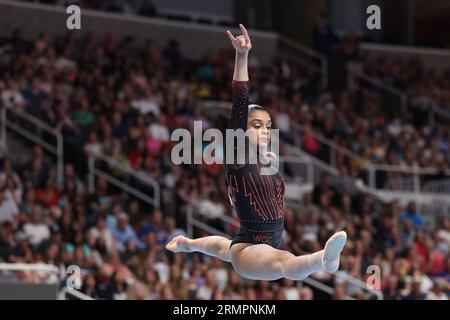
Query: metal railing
[[192, 221], [333, 148], [39, 124], [321, 286], [94, 158], [432, 57], [434, 111], [289, 162], [401, 96], [414, 183], [411, 178], [437, 111], [358, 283], [38, 267], [314, 59], [58, 151], [437, 186]]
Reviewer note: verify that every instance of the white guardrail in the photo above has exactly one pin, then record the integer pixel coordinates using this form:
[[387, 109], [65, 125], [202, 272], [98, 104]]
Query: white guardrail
[[46, 268]]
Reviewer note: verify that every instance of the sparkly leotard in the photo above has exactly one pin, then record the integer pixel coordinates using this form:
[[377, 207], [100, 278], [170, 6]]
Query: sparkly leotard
[[258, 198]]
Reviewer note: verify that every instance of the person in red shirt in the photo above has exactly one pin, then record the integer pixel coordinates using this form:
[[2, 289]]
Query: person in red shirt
[[49, 195]]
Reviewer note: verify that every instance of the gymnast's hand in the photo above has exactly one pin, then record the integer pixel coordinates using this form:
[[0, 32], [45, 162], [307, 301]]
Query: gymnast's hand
[[241, 43]]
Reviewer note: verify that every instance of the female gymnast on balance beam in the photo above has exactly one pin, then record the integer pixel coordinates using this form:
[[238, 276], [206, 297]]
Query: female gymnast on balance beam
[[259, 201]]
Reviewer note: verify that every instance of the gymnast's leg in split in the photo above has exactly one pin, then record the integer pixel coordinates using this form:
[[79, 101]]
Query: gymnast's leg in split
[[263, 262]]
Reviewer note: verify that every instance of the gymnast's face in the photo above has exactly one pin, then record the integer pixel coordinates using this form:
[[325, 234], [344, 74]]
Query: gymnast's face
[[259, 125]]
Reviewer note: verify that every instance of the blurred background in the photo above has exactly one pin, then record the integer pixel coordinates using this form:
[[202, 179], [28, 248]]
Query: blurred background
[[86, 177]]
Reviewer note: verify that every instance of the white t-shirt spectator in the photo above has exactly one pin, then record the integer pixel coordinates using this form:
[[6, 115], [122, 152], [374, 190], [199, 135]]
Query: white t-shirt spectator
[[436, 296], [221, 277], [12, 98], [64, 64], [36, 232], [107, 236], [204, 293], [8, 209], [14, 195], [146, 105], [291, 293], [159, 132], [95, 148], [211, 209], [163, 271], [282, 121]]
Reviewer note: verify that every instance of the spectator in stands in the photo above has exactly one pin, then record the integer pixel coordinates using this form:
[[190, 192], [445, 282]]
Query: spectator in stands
[[11, 96], [437, 292], [415, 292], [412, 214], [7, 241], [391, 290], [103, 234], [171, 231], [306, 294], [123, 232], [90, 286], [324, 187], [8, 209], [289, 290], [36, 230]]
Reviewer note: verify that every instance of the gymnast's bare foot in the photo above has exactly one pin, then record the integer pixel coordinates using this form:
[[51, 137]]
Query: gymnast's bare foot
[[179, 244]]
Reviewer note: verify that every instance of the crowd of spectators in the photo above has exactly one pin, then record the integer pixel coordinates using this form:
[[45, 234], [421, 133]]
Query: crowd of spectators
[[113, 97]]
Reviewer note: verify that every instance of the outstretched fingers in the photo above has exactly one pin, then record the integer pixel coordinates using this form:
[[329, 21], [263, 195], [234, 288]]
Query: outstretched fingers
[[230, 35], [244, 31], [241, 42]]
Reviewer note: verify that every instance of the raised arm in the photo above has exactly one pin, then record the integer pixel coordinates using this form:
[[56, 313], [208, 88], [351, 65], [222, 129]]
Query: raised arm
[[239, 113], [242, 45]]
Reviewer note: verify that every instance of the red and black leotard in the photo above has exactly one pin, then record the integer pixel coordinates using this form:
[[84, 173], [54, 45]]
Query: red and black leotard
[[258, 198]]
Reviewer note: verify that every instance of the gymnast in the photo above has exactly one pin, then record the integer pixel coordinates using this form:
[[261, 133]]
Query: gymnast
[[258, 198]]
